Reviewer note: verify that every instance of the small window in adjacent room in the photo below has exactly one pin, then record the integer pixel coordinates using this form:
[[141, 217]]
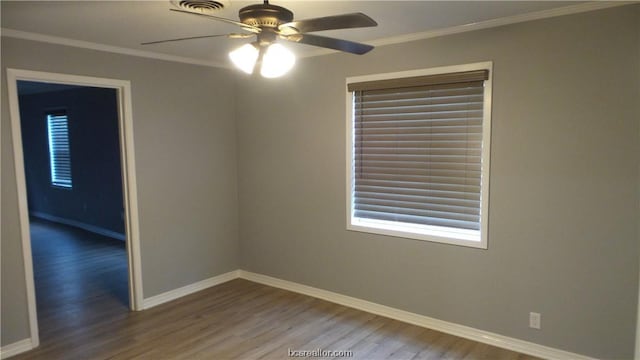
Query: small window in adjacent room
[[59, 155], [418, 154]]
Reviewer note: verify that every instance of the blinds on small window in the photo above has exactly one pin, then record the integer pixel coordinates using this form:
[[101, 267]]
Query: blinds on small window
[[418, 148], [59, 154]]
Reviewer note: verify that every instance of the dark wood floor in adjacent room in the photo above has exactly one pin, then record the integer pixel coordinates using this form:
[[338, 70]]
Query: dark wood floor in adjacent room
[[83, 314]]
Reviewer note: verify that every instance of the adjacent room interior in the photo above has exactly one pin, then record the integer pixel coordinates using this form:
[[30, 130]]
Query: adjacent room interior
[[428, 180], [76, 218]]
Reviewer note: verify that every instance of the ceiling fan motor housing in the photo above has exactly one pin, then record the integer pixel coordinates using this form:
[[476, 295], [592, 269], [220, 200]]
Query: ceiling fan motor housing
[[265, 15]]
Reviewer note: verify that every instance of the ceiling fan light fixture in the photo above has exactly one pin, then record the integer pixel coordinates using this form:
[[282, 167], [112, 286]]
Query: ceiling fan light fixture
[[245, 57], [277, 61], [269, 23]]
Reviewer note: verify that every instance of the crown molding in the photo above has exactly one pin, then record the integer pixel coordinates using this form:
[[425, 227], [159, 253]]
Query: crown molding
[[507, 20], [24, 35], [537, 15]]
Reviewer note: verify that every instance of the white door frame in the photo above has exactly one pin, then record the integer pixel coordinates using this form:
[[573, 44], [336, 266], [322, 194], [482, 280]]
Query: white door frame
[[125, 125]]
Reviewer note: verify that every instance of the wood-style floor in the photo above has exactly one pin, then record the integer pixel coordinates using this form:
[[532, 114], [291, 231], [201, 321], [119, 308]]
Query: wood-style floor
[[236, 320], [80, 277]]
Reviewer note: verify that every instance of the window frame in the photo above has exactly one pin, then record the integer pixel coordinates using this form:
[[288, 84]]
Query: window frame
[[53, 181], [424, 232]]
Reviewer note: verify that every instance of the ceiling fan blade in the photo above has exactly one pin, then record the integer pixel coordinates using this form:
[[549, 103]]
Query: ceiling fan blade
[[253, 29], [345, 21], [231, 36], [331, 43]]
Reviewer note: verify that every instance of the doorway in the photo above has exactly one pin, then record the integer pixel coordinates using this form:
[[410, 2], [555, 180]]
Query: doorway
[[73, 218]]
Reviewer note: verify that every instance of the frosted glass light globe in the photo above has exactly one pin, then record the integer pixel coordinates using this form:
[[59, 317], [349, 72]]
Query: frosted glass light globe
[[277, 61], [245, 57]]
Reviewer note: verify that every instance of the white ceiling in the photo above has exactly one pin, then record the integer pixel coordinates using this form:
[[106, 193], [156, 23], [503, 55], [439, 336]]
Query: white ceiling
[[126, 24]]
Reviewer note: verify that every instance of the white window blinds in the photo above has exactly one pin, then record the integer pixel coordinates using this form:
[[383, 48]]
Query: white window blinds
[[417, 149], [59, 154]]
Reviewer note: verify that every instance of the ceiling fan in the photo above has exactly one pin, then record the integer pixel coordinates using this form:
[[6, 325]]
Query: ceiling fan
[[270, 23]]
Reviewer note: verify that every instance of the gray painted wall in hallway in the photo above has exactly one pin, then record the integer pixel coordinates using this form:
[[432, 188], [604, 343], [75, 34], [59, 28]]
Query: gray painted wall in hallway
[[563, 239], [185, 141]]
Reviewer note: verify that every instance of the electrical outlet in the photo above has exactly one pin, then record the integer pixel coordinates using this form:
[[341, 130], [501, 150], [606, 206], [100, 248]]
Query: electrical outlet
[[535, 320]]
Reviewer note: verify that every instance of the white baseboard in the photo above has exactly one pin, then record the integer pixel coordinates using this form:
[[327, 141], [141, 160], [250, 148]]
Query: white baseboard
[[482, 336], [189, 289], [478, 335], [16, 348], [79, 224]]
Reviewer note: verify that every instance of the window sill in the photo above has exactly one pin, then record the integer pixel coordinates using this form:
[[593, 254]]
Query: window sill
[[62, 187], [468, 238]]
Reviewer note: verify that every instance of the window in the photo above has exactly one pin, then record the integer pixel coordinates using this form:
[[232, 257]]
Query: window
[[418, 154], [59, 155]]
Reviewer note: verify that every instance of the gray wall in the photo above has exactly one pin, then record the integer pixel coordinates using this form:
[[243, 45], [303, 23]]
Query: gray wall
[[184, 133], [94, 143], [563, 235]]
